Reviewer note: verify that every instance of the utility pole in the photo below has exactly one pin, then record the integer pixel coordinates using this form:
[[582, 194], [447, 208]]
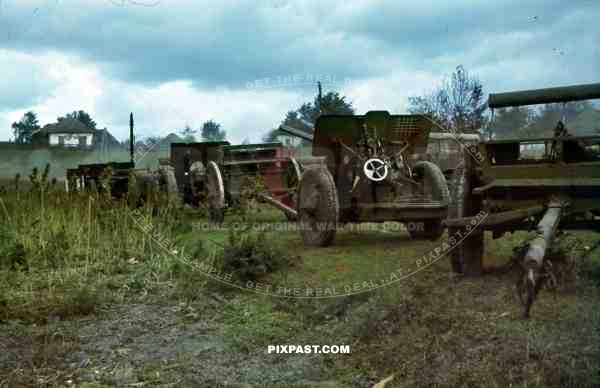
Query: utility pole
[[320, 97], [131, 139]]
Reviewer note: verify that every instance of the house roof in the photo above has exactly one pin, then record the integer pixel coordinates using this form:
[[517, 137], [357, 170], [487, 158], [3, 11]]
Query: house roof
[[172, 138], [68, 126], [106, 138]]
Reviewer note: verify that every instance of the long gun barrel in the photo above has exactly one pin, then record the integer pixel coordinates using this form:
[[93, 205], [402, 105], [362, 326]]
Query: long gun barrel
[[545, 96], [533, 262], [545, 233], [296, 132]]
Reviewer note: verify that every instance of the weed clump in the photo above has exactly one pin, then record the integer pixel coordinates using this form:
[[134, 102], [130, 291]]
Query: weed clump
[[65, 301], [251, 255], [13, 255], [574, 260], [58, 249]]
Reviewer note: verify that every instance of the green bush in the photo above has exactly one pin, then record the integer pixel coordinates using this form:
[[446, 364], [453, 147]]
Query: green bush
[[13, 256], [574, 258], [251, 255]]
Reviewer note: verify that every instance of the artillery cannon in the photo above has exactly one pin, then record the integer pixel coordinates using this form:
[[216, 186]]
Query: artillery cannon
[[214, 174], [362, 170], [189, 161], [443, 148], [117, 176], [211, 174], [511, 190]]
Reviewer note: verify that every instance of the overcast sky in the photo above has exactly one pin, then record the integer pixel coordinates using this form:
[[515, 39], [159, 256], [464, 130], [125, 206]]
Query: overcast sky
[[182, 62]]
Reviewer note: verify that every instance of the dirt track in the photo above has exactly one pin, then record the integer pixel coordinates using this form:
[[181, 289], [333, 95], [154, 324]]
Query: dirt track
[[145, 345]]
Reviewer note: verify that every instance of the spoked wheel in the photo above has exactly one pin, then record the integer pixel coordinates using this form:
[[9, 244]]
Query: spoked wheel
[[215, 193], [466, 256], [435, 189], [198, 184], [318, 207], [168, 184], [291, 181]]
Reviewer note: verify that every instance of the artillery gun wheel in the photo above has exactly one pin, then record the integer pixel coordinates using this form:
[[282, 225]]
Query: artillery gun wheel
[[147, 186], [318, 207], [291, 181], [435, 189], [466, 256], [168, 183], [215, 193], [198, 183]]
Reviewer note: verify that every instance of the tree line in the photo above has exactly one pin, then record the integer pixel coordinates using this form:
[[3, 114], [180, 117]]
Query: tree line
[[24, 129], [457, 103]]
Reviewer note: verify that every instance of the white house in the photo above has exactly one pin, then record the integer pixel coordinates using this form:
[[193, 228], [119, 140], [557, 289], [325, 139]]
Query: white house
[[288, 140], [69, 133]]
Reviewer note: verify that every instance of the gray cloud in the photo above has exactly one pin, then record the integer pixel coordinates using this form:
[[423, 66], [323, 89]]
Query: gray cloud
[[24, 81], [208, 45], [218, 45], [535, 36], [400, 46]]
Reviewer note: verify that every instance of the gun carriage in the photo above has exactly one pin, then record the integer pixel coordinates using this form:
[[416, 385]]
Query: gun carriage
[[115, 176], [362, 170], [215, 174], [510, 189]]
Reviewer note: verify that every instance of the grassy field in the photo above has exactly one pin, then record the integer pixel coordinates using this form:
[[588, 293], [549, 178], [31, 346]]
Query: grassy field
[[87, 298]]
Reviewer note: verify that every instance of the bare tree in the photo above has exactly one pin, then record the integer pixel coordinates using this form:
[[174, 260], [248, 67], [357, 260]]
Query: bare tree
[[457, 104]]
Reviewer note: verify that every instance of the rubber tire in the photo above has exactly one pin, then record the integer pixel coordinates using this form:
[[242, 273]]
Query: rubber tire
[[216, 199], [466, 257], [317, 184], [434, 182]]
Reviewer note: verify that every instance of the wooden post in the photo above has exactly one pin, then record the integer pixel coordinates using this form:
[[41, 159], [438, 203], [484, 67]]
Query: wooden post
[[131, 140]]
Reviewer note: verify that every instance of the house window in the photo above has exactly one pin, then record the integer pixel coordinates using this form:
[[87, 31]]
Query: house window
[[61, 140], [82, 141]]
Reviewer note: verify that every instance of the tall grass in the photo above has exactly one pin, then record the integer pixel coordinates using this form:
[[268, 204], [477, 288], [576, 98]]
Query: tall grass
[[67, 253]]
